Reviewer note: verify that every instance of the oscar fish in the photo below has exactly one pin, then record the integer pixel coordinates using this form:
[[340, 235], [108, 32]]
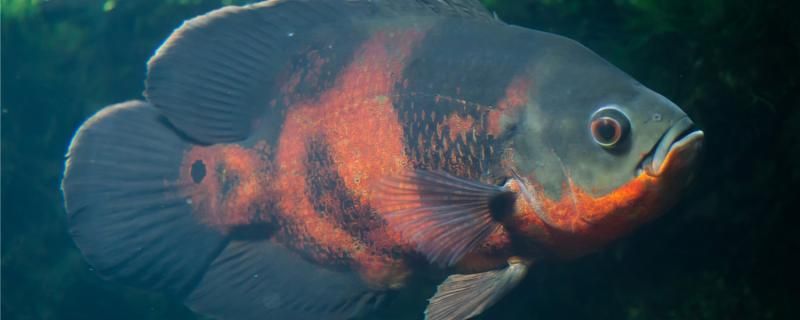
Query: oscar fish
[[307, 159]]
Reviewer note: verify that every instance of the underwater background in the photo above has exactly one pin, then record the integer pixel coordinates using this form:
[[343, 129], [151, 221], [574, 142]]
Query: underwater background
[[727, 250]]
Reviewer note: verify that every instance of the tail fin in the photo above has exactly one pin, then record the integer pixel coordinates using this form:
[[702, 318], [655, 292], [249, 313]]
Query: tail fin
[[128, 214], [124, 205], [212, 79]]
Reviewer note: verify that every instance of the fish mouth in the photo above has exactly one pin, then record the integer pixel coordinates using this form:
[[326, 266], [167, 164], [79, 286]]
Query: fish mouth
[[677, 148]]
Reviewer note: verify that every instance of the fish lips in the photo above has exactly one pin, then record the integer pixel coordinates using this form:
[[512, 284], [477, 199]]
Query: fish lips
[[677, 149]]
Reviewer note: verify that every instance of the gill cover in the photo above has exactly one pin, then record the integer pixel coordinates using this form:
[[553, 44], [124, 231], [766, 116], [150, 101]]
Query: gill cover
[[588, 123]]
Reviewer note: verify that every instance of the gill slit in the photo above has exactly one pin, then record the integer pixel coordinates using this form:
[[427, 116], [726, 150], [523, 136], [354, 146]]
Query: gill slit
[[531, 198], [571, 189]]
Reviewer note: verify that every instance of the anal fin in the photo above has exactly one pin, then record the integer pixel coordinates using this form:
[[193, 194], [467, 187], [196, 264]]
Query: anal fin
[[463, 296], [254, 280]]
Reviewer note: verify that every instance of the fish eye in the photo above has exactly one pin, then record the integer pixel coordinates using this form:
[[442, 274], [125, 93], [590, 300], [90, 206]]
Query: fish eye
[[609, 126]]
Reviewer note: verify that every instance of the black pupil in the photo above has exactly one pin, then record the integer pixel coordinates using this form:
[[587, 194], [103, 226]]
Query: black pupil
[[606, 130]]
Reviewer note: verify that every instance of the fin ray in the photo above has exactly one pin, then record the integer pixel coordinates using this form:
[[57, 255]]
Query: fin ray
[[124, 208], [226, 62], [264, 280], [444, 215], [463, 296]]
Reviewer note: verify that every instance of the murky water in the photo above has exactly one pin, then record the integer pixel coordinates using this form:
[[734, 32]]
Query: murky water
[[723, 252]]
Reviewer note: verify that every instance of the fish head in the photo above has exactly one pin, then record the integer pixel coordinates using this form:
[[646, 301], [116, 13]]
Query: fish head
[[598, 153]]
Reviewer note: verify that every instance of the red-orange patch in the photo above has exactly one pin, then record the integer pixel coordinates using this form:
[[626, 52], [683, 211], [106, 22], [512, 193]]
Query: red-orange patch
[[459, 126], [579, 222], [517, 95], [357, 120], [233, 186]]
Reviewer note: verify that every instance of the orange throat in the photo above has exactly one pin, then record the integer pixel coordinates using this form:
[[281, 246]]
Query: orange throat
[[579, 222]]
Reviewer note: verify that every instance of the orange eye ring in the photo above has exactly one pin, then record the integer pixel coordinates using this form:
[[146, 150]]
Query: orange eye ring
[[608, 127]]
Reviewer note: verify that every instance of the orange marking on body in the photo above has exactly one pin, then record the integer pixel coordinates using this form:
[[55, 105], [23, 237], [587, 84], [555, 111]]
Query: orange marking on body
[[357, 120], [233, 186], [517, 96], [288, 88], [459, 126], [579, 222], [290, 182]]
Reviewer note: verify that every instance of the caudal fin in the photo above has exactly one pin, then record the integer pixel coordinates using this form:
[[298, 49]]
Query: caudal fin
[[212, 82], [129, 215], [124, 203]]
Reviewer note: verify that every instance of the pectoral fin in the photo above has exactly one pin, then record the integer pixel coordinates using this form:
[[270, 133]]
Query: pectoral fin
[[444, 215], [463, 296]]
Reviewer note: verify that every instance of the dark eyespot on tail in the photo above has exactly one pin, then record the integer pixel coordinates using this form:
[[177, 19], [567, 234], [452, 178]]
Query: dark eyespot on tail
[[129, 215], [198, 171], [210, 82], [125, 209]]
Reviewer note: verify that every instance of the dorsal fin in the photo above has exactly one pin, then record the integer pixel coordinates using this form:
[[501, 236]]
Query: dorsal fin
[[458, 8], [216, 74]]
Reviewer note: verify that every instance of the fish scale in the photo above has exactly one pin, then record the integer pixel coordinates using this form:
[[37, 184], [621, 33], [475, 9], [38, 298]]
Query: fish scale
[[303, 159], [332, 200]]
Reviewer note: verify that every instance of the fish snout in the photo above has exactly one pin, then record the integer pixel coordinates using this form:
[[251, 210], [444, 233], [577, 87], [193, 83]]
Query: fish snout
[[676, 150]]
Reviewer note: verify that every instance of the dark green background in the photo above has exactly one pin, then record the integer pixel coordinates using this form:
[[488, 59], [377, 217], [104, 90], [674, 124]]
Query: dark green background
[[724, 252]]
